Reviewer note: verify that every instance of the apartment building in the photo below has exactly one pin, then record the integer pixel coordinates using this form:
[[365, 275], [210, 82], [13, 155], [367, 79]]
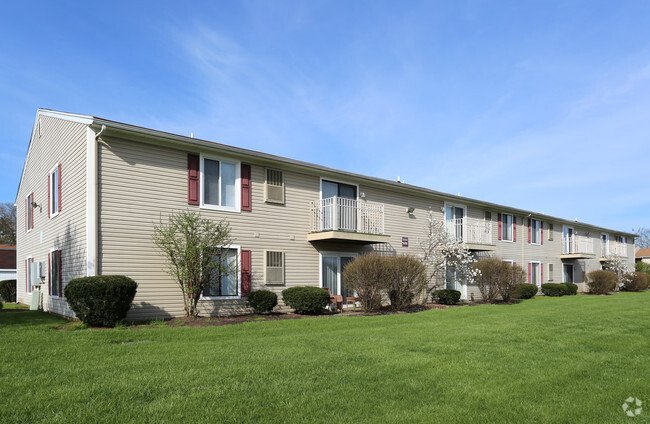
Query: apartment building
[[92, 189]]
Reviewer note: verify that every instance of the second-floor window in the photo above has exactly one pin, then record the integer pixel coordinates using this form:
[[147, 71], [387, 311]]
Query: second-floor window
[[535, 231], [507, 227], [220, 184], [54, 191]]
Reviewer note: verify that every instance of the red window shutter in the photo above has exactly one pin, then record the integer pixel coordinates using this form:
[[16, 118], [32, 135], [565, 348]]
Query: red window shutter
[[514, 228], [530, 268], [49, 189], [529, 230], [49, 273], [541, 232], [245, 272], [499, 216], [59, 188], [246, 194], [193, 183]]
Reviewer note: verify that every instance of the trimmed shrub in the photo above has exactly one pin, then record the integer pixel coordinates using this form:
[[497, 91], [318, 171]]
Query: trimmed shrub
[[553, 289], [262, 301], [8, 290], [406, 278], [366, 275], [635, 282], [498, 278], [101, 301], [306, 300], [525, 291], [602, 282], [446, 296], [643, 267], [570, 289]]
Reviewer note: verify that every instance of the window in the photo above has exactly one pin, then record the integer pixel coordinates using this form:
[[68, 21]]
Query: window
[[55, 273], [488, 216], [332, 266], [604, 245], [220, 184], [550, 272], [550, 232], [54, 191], [225, 283], [534, 273], [29, 274], [274, 268], [29, 212], [535, 231], [454, 217], [507, 227], [274, 187], [567, 273]]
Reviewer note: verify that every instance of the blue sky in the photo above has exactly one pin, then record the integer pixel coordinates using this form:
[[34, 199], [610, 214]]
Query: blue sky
[[538, 105]]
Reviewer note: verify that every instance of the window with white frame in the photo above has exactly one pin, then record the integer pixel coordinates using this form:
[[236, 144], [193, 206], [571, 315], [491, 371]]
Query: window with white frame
[[274, 186], [507, 227], [550, 272], [274, 268], [535, 231], [535, 273], [55, 274], [550, 232], [604, 244], [220, 184], [29, 211], [225, 281], [54, 186]]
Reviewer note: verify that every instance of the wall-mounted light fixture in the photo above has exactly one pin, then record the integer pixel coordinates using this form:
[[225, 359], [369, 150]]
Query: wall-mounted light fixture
[[362, 195], [410, 210], [35, 205]]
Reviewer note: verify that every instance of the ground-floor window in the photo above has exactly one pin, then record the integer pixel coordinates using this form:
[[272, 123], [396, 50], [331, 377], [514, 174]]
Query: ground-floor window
[[567, 273], [332, 266], [55, 273], [226, 282], [535, 273]]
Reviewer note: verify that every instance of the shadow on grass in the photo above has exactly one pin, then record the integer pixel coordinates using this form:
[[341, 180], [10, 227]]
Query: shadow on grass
[[28, 318]]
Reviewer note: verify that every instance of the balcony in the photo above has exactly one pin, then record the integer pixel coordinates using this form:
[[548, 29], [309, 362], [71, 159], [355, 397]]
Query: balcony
[[475, 233], [613, 249], [341, 219], [577, 247]]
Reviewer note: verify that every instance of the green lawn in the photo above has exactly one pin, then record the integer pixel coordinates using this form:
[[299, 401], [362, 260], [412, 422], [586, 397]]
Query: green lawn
[[569, 360]]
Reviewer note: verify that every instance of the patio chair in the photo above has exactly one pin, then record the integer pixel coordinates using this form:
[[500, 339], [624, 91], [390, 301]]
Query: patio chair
[[336, 300]]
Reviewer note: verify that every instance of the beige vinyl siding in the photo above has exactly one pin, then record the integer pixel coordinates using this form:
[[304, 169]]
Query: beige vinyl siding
[[63, 142], [138, 183]]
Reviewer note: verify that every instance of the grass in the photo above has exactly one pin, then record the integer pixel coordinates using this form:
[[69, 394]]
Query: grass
[[570, 359]]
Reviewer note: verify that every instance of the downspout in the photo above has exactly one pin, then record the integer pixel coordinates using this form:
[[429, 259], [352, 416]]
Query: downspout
[[91, 200]]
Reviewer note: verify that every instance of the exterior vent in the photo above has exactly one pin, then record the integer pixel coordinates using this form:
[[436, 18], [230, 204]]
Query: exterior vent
[[274, 187], [274, 268]]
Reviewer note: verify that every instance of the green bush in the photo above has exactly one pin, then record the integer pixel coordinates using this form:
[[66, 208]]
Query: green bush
[[262, 301], [553, 289], [446, 296], [635, 281], [8, 290], [306, 300], [570, 289], [602, 282], [1, 305], [101, 301], [642, 267], [525, 291]]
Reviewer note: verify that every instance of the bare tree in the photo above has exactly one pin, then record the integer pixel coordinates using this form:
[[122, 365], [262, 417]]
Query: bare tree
[[642, 238], [7, 224], [197, 251]]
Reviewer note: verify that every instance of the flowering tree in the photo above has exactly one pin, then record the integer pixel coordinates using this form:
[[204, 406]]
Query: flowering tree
[[442, 251], [616, 264]]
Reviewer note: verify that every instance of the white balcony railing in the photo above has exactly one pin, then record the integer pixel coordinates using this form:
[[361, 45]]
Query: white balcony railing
[[618, 249], [339, 214], [577, 244], [470, 230]]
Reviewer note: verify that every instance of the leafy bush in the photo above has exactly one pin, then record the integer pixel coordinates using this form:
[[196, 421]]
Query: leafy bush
[[553, 289], [306, 300], [498, 278], [367, 275], [602, 282], [262, 301], [643, 267], [446, 296], [570, 289], [8, 290], [1, 305], [525, 291], [406, 278], [101, 301], [635, 281]]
